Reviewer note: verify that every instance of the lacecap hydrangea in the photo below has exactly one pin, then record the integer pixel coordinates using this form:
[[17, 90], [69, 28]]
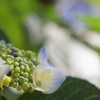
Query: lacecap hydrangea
[[26, 72]]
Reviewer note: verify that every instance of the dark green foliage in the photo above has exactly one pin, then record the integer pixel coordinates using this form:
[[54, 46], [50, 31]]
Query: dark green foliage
[[3, 36], [3, 98], [72, 89]]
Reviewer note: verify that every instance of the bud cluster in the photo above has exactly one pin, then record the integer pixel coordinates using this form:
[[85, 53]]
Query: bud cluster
[[22, 65]]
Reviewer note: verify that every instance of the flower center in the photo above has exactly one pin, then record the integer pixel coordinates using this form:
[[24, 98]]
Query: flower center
[[38, 83]]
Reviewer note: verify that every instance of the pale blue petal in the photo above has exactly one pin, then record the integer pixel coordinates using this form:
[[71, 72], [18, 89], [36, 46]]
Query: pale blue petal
[[42, 56], [57, 78], [50, 65], [52, 83], [4, 69]]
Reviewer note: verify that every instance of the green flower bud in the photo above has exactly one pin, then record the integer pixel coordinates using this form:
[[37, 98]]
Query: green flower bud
[[11, 57], [16, 79], [26, 65], [16, 75], [13, 49], [14, 84], [20, 59], [12, 65], [27, 69], [9, 45], [36, 63], [21, 72], [3, 49], [3, 46], [9, 51], [22, 67], [19, 53], [25, 89], [30, 77], [8, 56], [16, 59], [25, 86], [32, 68], [21, 79], [30, 63], [17, 69], [16, 63], [12, 80], [24, 60], [19, 88], [9, 62], [12, 71], [31, 90], [26, 79], [12, 68], [1, 53], [4, 62], [25, 74], [21, 64], [3, 56]]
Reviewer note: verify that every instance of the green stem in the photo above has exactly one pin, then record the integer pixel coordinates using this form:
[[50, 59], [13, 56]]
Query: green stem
[[0, 94]]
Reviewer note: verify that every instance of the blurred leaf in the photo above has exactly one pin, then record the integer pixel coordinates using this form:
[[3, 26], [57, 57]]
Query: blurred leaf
[[96, 3], [11, 24], [12, 16], [92, 22], [72, 89], [3, 98], [3, 36]]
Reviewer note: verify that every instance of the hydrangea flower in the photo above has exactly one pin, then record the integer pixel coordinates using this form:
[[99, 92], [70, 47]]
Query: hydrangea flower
[[46, 78], [73, 10], [4, 69]]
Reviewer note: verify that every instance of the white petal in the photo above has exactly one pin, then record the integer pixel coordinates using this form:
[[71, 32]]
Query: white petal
[[38, 72], [51, 78], [37, 88], [45, 75], [1, 62], [56, 79], [42, 56], [40, 68], [4, 69], [40, 89]]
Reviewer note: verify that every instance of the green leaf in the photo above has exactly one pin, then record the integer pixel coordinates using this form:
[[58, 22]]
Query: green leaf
[[92, 22], [71, 89], [3, 36], [3, 98]]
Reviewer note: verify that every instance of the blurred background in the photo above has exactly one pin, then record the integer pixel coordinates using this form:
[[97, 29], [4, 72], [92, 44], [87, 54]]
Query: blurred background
[[70, 30]]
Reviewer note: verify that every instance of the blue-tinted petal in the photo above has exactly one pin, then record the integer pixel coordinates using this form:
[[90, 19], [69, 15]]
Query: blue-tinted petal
[[4, 69], [50, 65], [42, 56], [57, 78], [53, 82]]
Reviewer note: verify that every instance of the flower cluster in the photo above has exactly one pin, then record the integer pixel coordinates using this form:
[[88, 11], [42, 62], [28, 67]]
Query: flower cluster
[[22, 70]]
